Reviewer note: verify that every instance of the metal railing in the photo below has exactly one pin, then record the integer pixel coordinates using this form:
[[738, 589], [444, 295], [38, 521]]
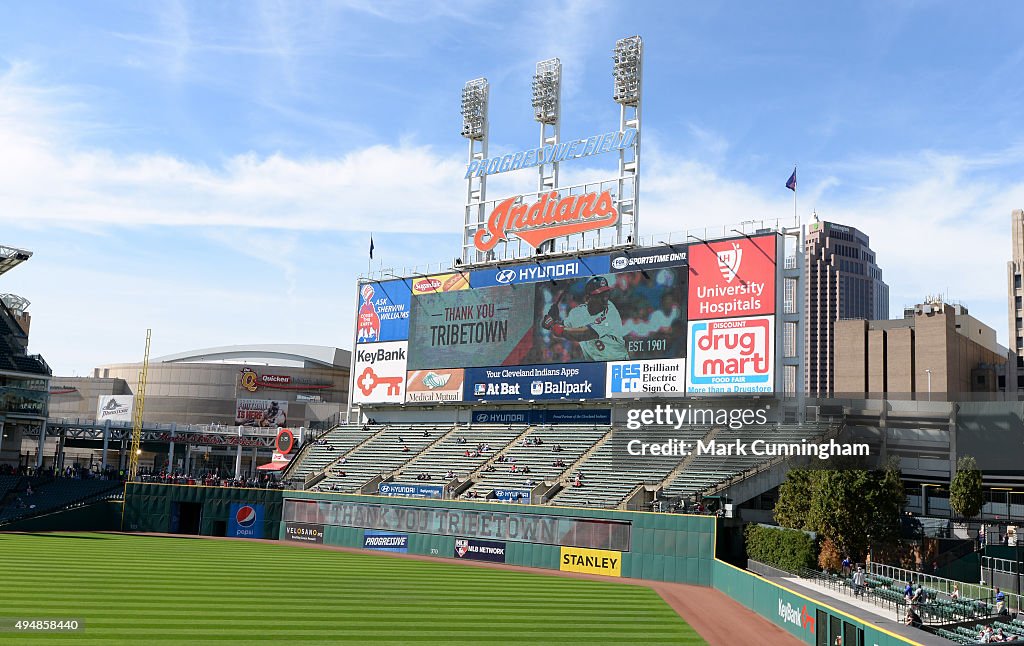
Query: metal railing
[[971, 591]]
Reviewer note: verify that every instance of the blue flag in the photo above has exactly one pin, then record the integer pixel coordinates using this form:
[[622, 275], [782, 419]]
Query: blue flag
[[371, 247], [791, 182]]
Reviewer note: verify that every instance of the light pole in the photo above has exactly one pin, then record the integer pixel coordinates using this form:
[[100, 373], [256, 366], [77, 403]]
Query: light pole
[[929, 371]]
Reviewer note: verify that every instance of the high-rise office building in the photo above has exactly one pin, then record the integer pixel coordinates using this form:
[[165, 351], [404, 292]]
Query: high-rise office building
[[843, 282], [1015, 294]]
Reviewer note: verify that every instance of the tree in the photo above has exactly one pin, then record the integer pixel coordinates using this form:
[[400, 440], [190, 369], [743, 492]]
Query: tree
[[965, 497], [795, 494]]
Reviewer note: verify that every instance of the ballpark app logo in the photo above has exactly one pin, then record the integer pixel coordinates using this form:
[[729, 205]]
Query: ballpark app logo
[[731, 355]]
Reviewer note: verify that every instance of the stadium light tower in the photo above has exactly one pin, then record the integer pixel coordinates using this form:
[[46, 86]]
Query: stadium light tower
[[627, 72], [547, 109], [475, 95]]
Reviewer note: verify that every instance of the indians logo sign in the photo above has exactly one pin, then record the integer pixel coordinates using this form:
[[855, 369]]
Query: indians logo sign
[[548, 218]]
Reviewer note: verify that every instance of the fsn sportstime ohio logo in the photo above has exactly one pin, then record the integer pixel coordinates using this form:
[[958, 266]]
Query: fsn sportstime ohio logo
[[548, 218]]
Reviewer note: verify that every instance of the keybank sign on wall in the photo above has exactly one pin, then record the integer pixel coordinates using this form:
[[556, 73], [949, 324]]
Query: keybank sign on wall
[[595, 145]]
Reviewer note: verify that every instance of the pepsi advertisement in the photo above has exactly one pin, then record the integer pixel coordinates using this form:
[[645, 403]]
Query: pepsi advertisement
[[383, 312], [511, 383], [245, 521]]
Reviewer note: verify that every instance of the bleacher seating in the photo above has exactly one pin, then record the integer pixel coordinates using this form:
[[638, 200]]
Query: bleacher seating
[[450, 455], [338, 441], [56, 495], [610, 474], [380, 455], [573, 440]]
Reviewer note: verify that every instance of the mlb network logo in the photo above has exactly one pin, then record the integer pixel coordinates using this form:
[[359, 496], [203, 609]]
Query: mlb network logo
[[626, 378]]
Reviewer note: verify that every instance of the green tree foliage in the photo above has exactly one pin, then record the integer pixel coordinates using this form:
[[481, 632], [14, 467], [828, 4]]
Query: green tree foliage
[[965, 496], [786, 549], [845, 506]]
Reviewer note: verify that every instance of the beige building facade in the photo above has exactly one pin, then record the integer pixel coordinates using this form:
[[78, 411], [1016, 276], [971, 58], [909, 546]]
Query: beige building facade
[[938, 351]]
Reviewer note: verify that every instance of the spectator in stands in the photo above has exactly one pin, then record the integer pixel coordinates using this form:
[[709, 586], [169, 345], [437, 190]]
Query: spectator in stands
[[858, 582], [1000, 602], [426, 433], [985, 636], [466, 454], [956, 592], [28, 490], [847, 566], [908, 592], [405, 449], [577, 482], [449, 474], [400, 440], [556, 448]]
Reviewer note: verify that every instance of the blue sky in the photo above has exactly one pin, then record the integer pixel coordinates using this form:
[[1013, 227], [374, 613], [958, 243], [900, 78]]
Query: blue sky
[[213, 170]]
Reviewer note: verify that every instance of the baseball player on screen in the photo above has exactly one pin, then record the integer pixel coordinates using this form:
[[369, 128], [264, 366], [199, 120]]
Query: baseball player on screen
[[595, 325]]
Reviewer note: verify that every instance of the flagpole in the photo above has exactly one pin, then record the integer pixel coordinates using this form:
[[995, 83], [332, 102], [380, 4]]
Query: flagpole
[[795, 186]]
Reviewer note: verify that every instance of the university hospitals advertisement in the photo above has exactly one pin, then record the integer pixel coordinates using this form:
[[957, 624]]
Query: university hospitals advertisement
[[732, 278], [442, 385], [383, 312], [576, 381], [638, 315], [665, 378], [380, 373], [116, 408], [731, 356]]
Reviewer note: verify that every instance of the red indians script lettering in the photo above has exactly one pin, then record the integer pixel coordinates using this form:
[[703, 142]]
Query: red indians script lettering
[[548, 218]]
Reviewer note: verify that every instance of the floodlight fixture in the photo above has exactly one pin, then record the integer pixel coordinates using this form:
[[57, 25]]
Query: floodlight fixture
[[547, 83], [627, 59], [474, 109]]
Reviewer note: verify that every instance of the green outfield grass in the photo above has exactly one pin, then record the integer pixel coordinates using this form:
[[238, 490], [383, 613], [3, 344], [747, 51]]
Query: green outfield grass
[[147, 590]]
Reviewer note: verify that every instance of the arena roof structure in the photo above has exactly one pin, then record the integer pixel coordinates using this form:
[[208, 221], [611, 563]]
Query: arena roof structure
[[276, 354], [11, 257]]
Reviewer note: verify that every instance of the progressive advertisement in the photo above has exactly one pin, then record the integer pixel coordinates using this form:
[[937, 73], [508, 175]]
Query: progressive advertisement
[[732, 356], [379, 371]]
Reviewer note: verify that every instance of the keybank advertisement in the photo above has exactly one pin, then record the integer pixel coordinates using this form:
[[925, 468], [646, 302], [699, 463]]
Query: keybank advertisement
[[536, 272], [666, 378], [245, 521], [383, 312], [732, 356], [380, 372], [732, 278], [575, 381]]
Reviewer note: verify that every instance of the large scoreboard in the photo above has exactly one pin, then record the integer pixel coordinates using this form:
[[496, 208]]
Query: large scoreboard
[[639, 322]]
